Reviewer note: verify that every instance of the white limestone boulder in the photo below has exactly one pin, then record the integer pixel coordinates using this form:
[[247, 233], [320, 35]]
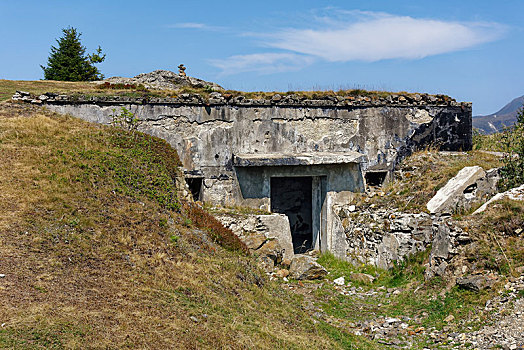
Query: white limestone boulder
[[457, 191]]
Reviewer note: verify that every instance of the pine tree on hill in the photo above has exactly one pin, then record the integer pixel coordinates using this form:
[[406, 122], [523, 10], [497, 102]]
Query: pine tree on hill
[[68, 62]]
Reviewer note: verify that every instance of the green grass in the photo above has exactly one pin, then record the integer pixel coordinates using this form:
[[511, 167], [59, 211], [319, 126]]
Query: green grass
[[403, 272], [64, 335], [422, 301], [346, 340]]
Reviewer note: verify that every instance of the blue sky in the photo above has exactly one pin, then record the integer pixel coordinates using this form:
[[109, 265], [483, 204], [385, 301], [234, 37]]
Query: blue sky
[[470, 50]]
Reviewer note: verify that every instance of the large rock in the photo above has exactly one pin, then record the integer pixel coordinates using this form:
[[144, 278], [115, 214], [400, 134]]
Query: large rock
[[304, 267], [516, 194], [267, 236], [448, 237], [470, 185], [276, 226], [164, 79], [476, 282]]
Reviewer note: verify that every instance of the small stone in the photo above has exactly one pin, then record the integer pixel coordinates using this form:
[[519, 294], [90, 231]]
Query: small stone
[[362, 277], [339, 281], [449, 318], [276, 98], [282, 273], [286, 262], [2, 275], [392, 320], [352, 208], [193, 318], [475, 282]]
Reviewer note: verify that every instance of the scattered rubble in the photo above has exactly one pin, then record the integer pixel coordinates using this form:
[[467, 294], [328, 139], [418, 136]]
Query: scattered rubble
[[173, 81], [502, 329], [505, 328]]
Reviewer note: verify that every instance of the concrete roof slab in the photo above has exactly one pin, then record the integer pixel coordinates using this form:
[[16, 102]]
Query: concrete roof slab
[[312, 158]]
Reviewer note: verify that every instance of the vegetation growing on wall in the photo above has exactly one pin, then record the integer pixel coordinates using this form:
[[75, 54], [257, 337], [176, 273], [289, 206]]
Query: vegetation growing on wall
[[513, 142]]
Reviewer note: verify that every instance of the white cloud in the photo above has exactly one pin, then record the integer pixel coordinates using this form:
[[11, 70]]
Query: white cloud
[[263, 63], [342, 36], [193, 25], [378, 36]]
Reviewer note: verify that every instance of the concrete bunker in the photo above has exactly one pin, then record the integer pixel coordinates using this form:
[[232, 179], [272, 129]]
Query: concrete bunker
[[231, 147], [304, 187]]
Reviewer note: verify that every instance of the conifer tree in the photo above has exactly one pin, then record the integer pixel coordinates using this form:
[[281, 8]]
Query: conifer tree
[[69, 62]]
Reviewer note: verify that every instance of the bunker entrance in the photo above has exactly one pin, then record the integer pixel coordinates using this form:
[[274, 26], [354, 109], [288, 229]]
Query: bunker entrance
[[195, 186], [292, 196]]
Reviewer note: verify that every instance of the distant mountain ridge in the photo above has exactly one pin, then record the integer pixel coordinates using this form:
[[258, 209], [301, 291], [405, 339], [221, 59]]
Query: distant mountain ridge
[[496, 122]]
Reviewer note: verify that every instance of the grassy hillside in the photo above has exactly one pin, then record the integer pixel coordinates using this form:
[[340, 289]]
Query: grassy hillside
[[99, 252]]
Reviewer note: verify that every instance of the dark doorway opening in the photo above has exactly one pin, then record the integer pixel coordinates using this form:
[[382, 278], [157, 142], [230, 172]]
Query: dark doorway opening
[[375, 178], [292, 196], [195, 186]]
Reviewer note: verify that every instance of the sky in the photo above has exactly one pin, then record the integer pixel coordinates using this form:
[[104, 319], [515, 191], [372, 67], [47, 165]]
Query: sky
[[470, 50]]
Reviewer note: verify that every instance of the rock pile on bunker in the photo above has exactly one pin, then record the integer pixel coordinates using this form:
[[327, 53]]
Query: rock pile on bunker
[[164, 79]]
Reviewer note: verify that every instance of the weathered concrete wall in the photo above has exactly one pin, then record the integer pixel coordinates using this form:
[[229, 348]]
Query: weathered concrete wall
[[207, 136]]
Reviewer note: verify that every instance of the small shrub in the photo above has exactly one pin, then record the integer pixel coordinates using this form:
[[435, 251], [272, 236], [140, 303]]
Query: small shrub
[[491, 142], [214, 228], [119, 86], [512, 172], [126, 119]]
